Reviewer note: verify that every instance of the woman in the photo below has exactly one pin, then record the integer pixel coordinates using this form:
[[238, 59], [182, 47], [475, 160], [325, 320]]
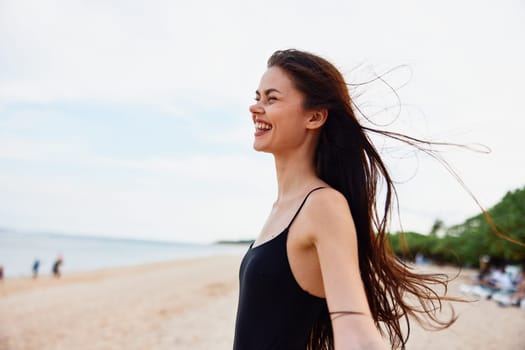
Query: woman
[[321, 274]]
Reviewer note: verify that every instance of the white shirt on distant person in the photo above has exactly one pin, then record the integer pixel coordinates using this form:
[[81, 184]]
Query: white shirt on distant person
[[501, 280]]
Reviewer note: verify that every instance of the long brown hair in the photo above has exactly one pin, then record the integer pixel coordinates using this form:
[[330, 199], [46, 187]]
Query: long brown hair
[[348, 161]]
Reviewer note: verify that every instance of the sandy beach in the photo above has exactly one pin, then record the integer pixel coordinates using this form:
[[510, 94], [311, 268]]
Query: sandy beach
[[189, 304]]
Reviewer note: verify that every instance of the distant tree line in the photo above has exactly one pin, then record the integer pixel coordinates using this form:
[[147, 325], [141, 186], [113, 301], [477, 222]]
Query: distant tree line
[[463, 244]]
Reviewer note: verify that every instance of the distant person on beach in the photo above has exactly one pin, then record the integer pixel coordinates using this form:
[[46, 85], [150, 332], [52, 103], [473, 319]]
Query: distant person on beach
[[321, 275], [36, 265], [514, 295], [1, 272], [518, 297], [498, 279], [56, 266], [420, 259], [484, 267]]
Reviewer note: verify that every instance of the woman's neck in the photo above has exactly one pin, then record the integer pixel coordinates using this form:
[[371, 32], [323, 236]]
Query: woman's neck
[[295, 174]]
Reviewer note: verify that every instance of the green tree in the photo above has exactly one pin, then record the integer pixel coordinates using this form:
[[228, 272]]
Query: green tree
[[499, 233]]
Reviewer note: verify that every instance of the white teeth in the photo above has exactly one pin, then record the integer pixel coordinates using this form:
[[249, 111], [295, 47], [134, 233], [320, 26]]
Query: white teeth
[[263, 126]]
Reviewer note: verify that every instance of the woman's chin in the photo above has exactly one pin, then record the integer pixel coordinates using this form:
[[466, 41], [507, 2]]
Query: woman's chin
[[259, 147]]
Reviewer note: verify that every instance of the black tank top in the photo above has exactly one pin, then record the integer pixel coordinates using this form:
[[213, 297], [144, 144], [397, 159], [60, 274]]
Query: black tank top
[[274, 312]]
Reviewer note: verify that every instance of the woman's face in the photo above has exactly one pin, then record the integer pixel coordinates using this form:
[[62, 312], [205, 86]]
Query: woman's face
[[278, 114]]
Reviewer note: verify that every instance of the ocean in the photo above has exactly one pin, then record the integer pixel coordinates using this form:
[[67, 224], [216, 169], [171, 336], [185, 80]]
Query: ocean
[[18, 251]]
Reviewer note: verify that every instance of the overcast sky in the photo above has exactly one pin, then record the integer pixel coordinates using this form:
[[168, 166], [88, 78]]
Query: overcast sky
[[130, 118]]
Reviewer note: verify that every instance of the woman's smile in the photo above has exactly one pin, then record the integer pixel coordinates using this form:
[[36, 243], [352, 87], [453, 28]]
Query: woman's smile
[[261, 128]]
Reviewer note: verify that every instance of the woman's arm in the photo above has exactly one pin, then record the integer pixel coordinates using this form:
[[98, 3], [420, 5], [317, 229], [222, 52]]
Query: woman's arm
[[335, 240]]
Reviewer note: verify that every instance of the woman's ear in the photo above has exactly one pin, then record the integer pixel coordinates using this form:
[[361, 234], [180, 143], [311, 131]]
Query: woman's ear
[[317, 118]]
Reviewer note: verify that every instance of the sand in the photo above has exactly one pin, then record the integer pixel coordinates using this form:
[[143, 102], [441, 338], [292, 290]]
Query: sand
[[188, 304]]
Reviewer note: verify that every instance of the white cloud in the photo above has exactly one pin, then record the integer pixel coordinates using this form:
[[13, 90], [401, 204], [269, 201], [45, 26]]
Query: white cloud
[[86, 51], [33, 150]]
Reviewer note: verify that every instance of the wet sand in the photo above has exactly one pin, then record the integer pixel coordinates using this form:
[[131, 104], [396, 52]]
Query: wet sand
[[189, 304]]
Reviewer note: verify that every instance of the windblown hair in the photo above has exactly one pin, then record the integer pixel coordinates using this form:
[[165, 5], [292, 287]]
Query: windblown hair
[[348, 161]]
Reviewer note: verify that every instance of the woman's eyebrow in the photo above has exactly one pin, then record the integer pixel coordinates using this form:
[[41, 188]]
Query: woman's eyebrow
[[267, 91]]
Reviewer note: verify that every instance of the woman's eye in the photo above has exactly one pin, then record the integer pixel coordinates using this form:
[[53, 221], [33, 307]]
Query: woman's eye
[[268, 99]]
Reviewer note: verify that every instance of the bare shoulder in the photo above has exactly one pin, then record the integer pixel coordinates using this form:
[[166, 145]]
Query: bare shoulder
[[329, 215], [328, 198]]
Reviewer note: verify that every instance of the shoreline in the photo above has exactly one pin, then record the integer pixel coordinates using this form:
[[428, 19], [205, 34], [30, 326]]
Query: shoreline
[[20, 284], [19, 251], [191, 304]]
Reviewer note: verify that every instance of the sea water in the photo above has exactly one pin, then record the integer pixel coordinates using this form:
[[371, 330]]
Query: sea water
[[18, 251]]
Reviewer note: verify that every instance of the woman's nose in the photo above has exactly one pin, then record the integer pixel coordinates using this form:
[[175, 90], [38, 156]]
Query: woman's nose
[[256, 108]]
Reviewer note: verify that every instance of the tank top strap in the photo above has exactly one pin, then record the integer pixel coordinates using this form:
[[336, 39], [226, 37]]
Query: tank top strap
[[301, 206]]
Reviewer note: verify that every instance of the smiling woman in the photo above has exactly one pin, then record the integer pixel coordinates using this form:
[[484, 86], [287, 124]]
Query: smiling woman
[[278, 109], [321, 274]]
